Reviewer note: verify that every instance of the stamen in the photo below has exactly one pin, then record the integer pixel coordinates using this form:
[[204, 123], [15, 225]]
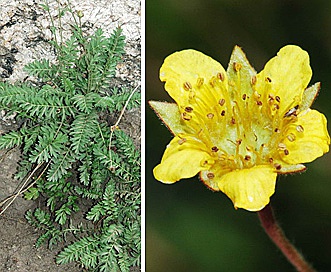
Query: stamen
[[271, 97], [248, 158], [214, 149], [191, 95], [259, 103], [277, 130], [210, 175], [277, 166], [257, 95], [268, 79], [286, 152], [244, 96], [221, 102], [186, 117], [231, 158], [292, 112], [210, 115], [188, 109], [187, 86], [212, 82], [233, 121], [237, 66], [200, 81], [223, 112], [220, 76], [253, 80], [299, 128], [181, 141], [239, 141], [277, 98], [291, 137], [282, 146]]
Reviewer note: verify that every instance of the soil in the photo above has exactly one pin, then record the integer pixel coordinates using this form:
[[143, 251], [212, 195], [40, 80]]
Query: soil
[[24, 36]]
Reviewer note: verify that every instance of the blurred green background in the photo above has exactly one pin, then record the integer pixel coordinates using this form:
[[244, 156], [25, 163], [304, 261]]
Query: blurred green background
[[190, 228]]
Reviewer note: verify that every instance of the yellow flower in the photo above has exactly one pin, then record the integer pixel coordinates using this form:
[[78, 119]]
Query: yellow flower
[[239, 129]]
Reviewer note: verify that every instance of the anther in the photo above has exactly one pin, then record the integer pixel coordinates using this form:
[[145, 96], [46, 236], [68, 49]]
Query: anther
[[282, 146], [186, 117], [259, 103], [223, 112], [233, 121], [244, 96], [286, 152], [277, 130], [214, 149], [212, 82], [247, 158], [271, 160], [268, 79], [200, 81], [237, 66], [257, 95], [253, 80], [188, 109], [210, 175], [292, 112], [231, 158], [239, 141], [187, 86], [181, 141], [221, 102], [277, 166], [191, 95], [277, 98], [210, 115], [204, 163], [299, 128], [291, 137], [220, 76]]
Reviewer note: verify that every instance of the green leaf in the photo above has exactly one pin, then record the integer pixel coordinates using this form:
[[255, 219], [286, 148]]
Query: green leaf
[[11, 139], [31, 194]]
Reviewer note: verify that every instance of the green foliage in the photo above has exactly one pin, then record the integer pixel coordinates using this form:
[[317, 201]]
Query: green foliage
[[77, 158]]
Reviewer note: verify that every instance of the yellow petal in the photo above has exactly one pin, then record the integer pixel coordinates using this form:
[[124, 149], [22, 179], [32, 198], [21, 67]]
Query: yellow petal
[[185, 71], [311, 138], [250, 188], [184, 157], [169, 114], [285, 76]]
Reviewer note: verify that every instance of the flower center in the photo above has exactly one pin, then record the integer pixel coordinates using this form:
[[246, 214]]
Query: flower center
[[240, 126]]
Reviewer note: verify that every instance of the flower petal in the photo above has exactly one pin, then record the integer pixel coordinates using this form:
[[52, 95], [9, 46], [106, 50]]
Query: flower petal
[[249, 188], [285, 76], [183, 158], [312, 139], [169, 114], [187, 69]]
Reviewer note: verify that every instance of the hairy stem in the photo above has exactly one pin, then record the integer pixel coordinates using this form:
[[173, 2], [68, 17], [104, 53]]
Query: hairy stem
[[277, 235]]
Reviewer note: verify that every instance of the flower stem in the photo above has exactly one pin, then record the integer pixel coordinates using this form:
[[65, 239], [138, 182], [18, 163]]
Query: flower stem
[[276, 234]]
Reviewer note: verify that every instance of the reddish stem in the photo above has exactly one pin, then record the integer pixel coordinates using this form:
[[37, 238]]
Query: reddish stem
[[276, 234]]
